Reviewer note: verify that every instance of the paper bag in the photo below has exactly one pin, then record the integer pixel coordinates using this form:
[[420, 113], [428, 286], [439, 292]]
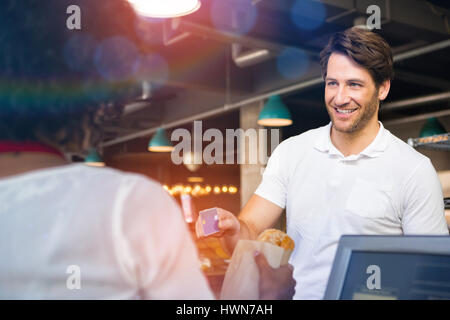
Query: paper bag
[[241, 280]]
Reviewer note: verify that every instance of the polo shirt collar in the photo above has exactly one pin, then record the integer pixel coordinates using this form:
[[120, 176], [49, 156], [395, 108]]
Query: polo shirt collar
[[374, 149]]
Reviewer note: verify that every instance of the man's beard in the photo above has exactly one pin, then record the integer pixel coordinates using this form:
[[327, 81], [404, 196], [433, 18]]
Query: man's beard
[[366, 113]]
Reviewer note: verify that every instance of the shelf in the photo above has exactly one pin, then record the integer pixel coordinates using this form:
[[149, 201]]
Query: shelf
[[437, 142]]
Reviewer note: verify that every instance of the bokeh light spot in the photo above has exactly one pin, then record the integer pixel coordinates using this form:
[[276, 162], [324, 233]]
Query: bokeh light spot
[[292, 63], [149, 30], [78, 52], [308, 15], [116, 58], [155, 68], [245, 17]]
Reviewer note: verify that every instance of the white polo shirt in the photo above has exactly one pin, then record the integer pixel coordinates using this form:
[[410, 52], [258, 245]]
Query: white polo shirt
[[77, 232], [387, 189]]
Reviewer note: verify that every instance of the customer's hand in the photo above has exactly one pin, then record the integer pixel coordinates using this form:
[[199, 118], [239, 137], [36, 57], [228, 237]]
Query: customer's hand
[[274, 283], [228, 224]]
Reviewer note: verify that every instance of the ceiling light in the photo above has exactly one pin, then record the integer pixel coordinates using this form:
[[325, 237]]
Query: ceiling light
[[432, 127], [189, 160], [165, 8], [275, 113], [93, 159], [195, 179], [160, 142]]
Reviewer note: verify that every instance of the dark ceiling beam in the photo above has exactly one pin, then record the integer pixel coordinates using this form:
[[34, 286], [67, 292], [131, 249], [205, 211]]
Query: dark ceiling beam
[[118, 129], [297, 102], [208, 73], [230, 37], [267, 77], [408, 46], [150, 114], [416, 101], [204, 85], [193, 102], [422, 50], [418, 13], [418, 117], [210, 112], [421, 79]]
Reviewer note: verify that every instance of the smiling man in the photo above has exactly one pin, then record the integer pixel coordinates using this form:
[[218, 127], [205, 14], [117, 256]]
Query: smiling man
[[355, 83], [351, 176]]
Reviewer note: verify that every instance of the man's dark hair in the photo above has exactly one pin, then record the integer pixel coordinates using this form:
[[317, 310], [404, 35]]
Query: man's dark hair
[[51, 89], [366, 48]]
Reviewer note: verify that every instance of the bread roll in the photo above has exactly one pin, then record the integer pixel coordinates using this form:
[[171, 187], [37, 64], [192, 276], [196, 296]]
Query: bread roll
[[278, 238]]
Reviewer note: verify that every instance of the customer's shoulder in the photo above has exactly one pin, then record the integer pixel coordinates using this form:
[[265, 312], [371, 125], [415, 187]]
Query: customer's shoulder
[[111, 176]]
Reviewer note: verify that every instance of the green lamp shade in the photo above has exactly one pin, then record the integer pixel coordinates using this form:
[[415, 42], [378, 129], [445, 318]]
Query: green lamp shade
[[275, 113], [94, 159], [160, 142], [432, 127]]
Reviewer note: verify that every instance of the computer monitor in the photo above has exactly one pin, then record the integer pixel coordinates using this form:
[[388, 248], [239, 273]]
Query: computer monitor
[[390, 267]]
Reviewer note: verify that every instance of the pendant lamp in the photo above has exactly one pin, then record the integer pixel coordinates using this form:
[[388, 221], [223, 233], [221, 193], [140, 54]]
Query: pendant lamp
[[160, 142], [275, 113], [164, 8], [94, 159], [432, 127]]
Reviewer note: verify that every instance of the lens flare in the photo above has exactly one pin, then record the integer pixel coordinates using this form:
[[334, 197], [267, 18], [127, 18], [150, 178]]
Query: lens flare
[[155, 68], [308, 15], [78, 52], [292, 63], [238, 16], [116, 58]]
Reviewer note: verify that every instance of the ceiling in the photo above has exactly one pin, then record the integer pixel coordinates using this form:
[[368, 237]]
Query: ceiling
[[233, 52]]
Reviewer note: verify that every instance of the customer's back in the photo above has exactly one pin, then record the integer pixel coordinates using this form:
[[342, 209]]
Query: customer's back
[[76, 232], [66, 230]]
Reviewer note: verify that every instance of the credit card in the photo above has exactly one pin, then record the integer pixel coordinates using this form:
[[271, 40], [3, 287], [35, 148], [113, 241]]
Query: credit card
[[210, 221]]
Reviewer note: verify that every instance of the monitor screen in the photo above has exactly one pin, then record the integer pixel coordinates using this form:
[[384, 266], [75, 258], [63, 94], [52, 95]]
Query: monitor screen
[[385, 275], [387, 267]]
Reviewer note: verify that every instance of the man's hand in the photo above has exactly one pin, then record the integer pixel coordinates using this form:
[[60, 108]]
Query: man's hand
[[274, 284], [228, 224]]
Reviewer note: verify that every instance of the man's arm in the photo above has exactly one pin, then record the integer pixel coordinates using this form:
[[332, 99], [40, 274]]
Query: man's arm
[[262, 210], [423, 204], [257, 215]]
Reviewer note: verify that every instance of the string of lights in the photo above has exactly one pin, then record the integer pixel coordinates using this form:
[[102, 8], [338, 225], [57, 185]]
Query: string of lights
[[200, 190]]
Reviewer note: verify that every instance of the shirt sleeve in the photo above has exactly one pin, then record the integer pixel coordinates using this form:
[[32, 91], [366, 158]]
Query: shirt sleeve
[[423, 203], [273, 186], [157, 250]]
